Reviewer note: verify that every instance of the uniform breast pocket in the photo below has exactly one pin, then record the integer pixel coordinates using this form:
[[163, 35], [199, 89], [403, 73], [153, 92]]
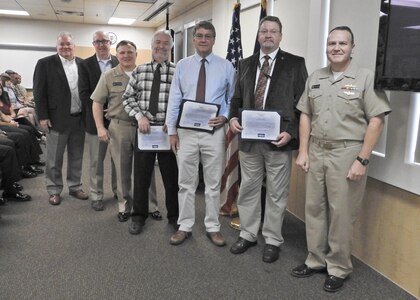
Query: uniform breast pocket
[[118, 89], [350, 100], [315, 99]]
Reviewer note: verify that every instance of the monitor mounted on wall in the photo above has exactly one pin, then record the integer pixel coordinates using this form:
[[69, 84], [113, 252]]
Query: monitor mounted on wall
[[398, 52]]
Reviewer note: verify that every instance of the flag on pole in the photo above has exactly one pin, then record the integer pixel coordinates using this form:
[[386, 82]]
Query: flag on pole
[[230, 179], [234, 51], [263, 13]]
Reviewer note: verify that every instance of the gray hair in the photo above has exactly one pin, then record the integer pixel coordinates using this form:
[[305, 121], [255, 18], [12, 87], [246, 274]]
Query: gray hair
[[162, 32], [101, 32], [63, 34]]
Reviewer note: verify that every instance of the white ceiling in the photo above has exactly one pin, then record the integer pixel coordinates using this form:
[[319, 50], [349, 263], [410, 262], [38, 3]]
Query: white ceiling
[[99, 11]]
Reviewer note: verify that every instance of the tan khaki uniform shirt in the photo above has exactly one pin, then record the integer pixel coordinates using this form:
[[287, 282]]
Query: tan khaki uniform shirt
[[110, 88], [340, 109]]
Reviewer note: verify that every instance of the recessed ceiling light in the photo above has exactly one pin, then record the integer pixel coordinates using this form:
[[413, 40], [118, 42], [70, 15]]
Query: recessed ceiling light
[[120, 21], [13, 12]]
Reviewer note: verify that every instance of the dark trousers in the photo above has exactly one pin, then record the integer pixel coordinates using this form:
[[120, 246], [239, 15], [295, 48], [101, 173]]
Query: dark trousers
[[25, 124], [27, 146], [144, 163], [9, 167]]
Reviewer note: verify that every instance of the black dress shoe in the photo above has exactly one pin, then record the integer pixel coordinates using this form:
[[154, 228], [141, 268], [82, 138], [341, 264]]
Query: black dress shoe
[[303, 271], [98, 205], [17, 187], [270, 253], [123, 217], [333, 284], [3, 201], [156, 215], [241, 246], [34, 169], [39, 163], [135, 227], [16, 196], [28, 174]]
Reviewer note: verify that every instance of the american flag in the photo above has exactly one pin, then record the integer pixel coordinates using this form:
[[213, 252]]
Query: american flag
[[234, 51], [263, 13], [230, 180]]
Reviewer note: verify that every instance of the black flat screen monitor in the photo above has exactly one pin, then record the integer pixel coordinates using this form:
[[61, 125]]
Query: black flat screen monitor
[[398, 53]]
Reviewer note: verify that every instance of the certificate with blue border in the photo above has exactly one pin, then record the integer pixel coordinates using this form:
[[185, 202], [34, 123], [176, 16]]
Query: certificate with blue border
[[260, 125]]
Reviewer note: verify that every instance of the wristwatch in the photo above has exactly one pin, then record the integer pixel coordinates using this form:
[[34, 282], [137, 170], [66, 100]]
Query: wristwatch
[[363, 161]]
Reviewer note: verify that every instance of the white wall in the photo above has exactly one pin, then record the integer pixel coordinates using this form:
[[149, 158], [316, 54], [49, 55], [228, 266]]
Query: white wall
[[393, 168], [44, 33]]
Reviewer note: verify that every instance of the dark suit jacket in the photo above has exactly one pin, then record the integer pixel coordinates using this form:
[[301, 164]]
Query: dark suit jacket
[[52, 92], [287, 85], [89, 74]]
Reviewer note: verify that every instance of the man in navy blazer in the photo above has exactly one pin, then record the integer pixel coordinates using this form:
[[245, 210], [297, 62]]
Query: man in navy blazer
[[60, 115], [284, 77], [89, 73]]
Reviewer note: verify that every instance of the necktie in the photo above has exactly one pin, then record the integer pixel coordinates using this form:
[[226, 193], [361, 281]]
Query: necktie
[[154, 94], [261, 84], [201, 84]]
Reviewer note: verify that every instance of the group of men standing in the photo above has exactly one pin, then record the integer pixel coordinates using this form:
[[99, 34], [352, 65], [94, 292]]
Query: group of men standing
[[341, 120]]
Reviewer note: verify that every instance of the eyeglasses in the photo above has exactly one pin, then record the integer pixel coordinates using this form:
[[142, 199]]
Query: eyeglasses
[[205, 36], [103, 42], [264, 32]]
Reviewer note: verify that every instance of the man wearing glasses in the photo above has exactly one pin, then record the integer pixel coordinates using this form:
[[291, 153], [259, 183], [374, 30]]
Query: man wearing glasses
[[271, 79], [90, 71], [202, 77]]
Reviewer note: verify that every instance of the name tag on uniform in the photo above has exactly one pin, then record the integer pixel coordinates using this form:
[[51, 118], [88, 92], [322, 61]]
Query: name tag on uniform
[[117, 84], [316, 86]]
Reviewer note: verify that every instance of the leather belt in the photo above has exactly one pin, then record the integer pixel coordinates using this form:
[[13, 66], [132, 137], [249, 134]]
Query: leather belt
[[124, 122], [78, 114], [335, 144]]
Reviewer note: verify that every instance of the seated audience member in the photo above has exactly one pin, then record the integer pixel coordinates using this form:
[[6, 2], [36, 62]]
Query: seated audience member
[[19, 106], [31, 145], [6, 109], [10, 174], [19, 89], [17, 141]]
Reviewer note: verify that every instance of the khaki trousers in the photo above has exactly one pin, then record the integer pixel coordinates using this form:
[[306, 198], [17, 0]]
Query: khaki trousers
[[332, 206], [196, 146], [277, 166]]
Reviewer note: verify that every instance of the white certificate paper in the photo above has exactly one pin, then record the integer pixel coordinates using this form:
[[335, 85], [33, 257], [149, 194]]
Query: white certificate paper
[[260, 125], [156, 140], [196, 115]]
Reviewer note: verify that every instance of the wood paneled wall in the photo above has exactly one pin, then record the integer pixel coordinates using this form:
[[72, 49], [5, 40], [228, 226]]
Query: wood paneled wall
[[387, 233]]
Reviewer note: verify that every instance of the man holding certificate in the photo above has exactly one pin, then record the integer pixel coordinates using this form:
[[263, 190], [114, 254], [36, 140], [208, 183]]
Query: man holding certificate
[[205, 82], [268, 87], [146, 99]]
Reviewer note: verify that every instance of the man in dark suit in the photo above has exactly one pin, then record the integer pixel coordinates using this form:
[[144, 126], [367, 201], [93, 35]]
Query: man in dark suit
[[60, 116], [89, 73], [269, 80]]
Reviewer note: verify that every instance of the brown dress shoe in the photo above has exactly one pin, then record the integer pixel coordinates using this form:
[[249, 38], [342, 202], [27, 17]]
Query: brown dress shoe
[[216, 238], [79, 194], [179, 237], [54, 199]]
